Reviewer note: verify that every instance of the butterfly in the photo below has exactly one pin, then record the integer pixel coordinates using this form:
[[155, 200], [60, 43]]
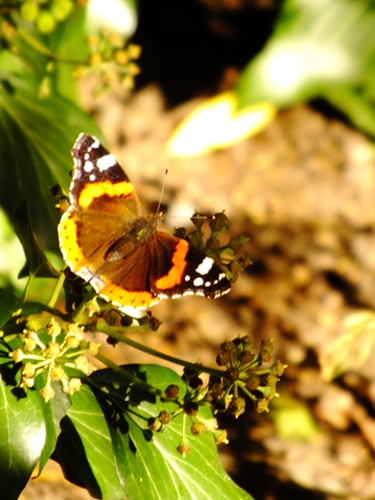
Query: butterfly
[[106, 240]]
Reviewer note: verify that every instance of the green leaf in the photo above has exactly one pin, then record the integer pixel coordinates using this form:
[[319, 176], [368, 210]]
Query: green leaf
[[8, 304], [53, 412], [122, 452], [27, 52], [32, 308], [28, 426], [36, 136], [22, 434], [85, 436], [353, 103], [155, 469], [69, 42], [37, 263], [315, 45], [70, 445]]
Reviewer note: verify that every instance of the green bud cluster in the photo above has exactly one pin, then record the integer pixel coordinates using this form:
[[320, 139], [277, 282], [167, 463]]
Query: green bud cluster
[[45, 14]]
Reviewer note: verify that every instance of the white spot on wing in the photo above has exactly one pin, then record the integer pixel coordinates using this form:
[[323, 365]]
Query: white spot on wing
[[205, 266], [163, 296], [198, 282], [187, 278], [105, 162], [88, 166], [92, 177]]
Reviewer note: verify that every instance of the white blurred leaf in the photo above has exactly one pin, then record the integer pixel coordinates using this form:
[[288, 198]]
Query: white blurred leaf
[[217, 123], [353, 348]]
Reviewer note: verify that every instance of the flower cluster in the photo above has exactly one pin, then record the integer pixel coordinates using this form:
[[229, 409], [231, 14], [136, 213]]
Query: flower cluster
[[244, 373], [188, 406], [51, 350], [111, 60]]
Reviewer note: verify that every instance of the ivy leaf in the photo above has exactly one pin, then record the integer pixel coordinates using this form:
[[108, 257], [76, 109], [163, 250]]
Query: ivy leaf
[[8, 304], [53, 412], [85, 436], [36, 261], [123, 458], [28, 430], [36, 136]]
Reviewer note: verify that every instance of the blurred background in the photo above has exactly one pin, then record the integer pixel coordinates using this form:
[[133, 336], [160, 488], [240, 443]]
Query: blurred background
[[264, 109]]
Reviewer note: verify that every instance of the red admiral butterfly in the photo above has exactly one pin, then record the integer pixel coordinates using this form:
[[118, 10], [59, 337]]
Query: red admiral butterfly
[[106, 240]]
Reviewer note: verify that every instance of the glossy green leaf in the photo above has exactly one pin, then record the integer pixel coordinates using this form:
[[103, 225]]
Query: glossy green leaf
[[36, 136], [77, 471], [28, 425], [32, 308], [86, 437], [53, 412], [36, 262], [22, 434], [8, 304], [154, 468], [122, 453]]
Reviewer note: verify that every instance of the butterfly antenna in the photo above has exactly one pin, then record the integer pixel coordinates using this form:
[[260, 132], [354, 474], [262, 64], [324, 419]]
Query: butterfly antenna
[[162, 189]]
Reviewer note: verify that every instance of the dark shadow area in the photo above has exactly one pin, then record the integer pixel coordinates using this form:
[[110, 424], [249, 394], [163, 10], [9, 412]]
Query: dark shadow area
[[187, 45], [254, 473]]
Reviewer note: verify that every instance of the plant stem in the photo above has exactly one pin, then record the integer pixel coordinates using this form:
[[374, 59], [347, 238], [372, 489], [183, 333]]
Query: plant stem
[[39, 47], [27, 289], [115, 334], [55, 293], [127, 375]]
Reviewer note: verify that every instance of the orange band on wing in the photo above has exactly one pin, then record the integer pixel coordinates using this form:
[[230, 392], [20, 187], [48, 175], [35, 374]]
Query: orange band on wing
[[122, 298], [176, 272], [70, 248], [95, 190]]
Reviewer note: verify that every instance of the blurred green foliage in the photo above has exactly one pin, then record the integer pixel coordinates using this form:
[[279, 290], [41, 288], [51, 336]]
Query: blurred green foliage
[[44, 48], [319, 49]]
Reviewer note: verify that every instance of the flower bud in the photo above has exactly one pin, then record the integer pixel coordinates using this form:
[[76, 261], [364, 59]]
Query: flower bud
[[17, 355], [198, 428], [53, 349], [253, 382], [237, 407], [172, 391], [47, 393], [57, 372]]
